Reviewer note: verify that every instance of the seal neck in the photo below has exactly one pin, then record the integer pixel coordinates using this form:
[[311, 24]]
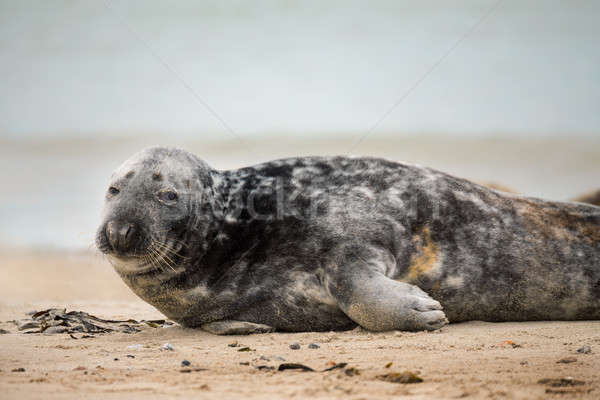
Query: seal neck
[[228, 230], [208, 213]]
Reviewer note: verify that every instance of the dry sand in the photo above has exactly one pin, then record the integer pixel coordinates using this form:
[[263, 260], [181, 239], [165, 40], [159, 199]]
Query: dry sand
[[471, 360]]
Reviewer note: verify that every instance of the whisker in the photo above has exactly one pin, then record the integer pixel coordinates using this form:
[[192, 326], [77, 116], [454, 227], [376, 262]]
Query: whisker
[[168, 261], [155, 257], [167, 249], [175, 241], [156, 262], [164, 257]]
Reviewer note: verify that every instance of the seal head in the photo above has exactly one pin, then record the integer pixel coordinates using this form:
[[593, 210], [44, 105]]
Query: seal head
[[151, 211]]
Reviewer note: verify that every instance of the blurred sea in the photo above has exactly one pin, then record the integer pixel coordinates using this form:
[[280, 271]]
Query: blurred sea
[[52, 191]]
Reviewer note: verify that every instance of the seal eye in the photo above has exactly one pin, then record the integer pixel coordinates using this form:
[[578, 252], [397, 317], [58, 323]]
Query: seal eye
[[168, 196], [113, 190]]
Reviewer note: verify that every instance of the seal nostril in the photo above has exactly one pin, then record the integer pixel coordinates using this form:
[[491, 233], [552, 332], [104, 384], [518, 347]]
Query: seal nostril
[[125, 231], [111, 234], [109, 228], [128, 232], [120, 235], [125, 235]]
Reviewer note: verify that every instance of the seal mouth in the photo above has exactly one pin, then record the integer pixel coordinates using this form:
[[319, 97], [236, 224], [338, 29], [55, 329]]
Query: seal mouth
[[158, 258], [133, 265], [142, 253]]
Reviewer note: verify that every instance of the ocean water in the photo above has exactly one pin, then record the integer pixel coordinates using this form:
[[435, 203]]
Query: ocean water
[[52, 191]]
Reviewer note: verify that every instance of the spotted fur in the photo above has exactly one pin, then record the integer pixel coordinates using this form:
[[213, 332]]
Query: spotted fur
[[321, 243]]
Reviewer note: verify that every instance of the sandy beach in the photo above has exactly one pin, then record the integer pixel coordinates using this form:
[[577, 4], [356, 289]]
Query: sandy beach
[[57, 203], [504, 94], [469, 360]]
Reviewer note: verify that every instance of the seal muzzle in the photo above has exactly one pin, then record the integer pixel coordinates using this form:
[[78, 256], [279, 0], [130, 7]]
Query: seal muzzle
[[122, 236]]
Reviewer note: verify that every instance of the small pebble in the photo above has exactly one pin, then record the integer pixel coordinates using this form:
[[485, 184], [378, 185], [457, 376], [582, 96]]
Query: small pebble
[[80, 368], [130, 356], [313, 346], [167, 346], [233, 344], [585, 349], [116, 359], [185, 363], [302, 367], [19, 369], [295, 346], [3, 332]]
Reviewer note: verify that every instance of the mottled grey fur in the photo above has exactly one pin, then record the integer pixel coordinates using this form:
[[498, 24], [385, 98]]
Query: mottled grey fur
[[321, 243]]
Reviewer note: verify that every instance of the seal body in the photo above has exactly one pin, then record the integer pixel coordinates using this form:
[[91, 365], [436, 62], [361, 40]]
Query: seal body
[[322, 243]]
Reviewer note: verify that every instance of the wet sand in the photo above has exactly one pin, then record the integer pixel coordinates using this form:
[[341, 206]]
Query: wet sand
[[470, 360]]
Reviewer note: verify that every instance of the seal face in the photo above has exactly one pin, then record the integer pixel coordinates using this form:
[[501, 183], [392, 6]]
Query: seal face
[[147, 211], [321, 243]]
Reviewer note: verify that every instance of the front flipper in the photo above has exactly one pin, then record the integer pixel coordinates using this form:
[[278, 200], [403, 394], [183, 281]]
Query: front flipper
[[376, 302], [230, 327]]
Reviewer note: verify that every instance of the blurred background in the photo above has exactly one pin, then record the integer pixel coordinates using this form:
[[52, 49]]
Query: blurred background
[[494, 91]]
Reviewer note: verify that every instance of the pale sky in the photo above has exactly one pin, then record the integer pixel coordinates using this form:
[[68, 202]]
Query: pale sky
[[298, 68]]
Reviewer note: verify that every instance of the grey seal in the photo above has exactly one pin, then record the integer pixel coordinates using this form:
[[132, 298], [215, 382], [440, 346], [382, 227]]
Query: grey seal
[[329, 243]]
